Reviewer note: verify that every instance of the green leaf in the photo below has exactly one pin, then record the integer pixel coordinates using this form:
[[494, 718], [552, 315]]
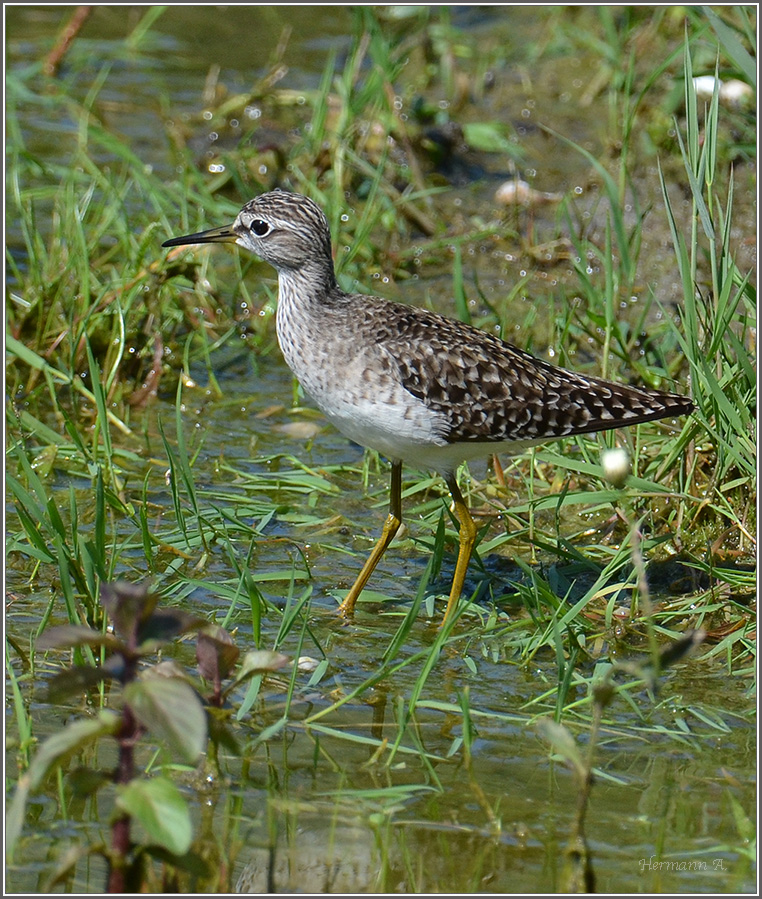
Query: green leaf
[[740, 56], [85, 781], [166, 624], [489, 137], [128, 606], [219, 732], [215, 653], [563, 743], [67, 635], [52, 752], [744, 825], [172, 712], [14, 818], [33, 360], [260, 662], [159, 807], [41, 431], [80, 678], [73, 738], [44, 461]]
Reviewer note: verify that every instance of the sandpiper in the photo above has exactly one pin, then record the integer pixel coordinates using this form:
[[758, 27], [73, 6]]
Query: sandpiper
[[418, 387]]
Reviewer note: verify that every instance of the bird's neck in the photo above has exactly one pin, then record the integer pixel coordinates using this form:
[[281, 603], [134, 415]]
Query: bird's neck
[[310, 286]]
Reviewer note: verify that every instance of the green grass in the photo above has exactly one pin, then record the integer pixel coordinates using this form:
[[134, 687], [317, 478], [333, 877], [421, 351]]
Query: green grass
[[107, 481]]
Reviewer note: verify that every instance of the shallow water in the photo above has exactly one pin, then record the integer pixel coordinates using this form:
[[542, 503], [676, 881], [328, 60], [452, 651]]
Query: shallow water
[[341, 815]]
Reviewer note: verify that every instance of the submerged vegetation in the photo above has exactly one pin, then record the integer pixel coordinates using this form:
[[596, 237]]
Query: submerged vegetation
[[131, 452]]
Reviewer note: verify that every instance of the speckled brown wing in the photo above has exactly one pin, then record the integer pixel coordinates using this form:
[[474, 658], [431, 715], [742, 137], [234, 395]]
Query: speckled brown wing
[[488, 390]]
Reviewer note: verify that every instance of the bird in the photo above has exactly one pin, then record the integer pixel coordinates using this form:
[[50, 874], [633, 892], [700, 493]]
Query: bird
[[420, 388]]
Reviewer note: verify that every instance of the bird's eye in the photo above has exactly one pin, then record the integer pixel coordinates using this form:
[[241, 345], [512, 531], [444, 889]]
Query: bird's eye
[[259, 227]]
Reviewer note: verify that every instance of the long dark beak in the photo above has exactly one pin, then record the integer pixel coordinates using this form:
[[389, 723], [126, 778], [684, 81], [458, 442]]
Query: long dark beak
[[226, 234]]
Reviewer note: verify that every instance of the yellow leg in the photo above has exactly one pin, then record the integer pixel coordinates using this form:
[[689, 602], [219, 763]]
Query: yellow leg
[[467, 540], [391, 526]]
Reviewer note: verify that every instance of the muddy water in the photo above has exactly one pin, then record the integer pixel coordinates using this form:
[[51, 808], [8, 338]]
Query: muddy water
[[342, 817]]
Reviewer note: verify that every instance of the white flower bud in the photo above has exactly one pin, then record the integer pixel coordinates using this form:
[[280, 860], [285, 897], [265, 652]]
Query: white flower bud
[[616, 465]]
